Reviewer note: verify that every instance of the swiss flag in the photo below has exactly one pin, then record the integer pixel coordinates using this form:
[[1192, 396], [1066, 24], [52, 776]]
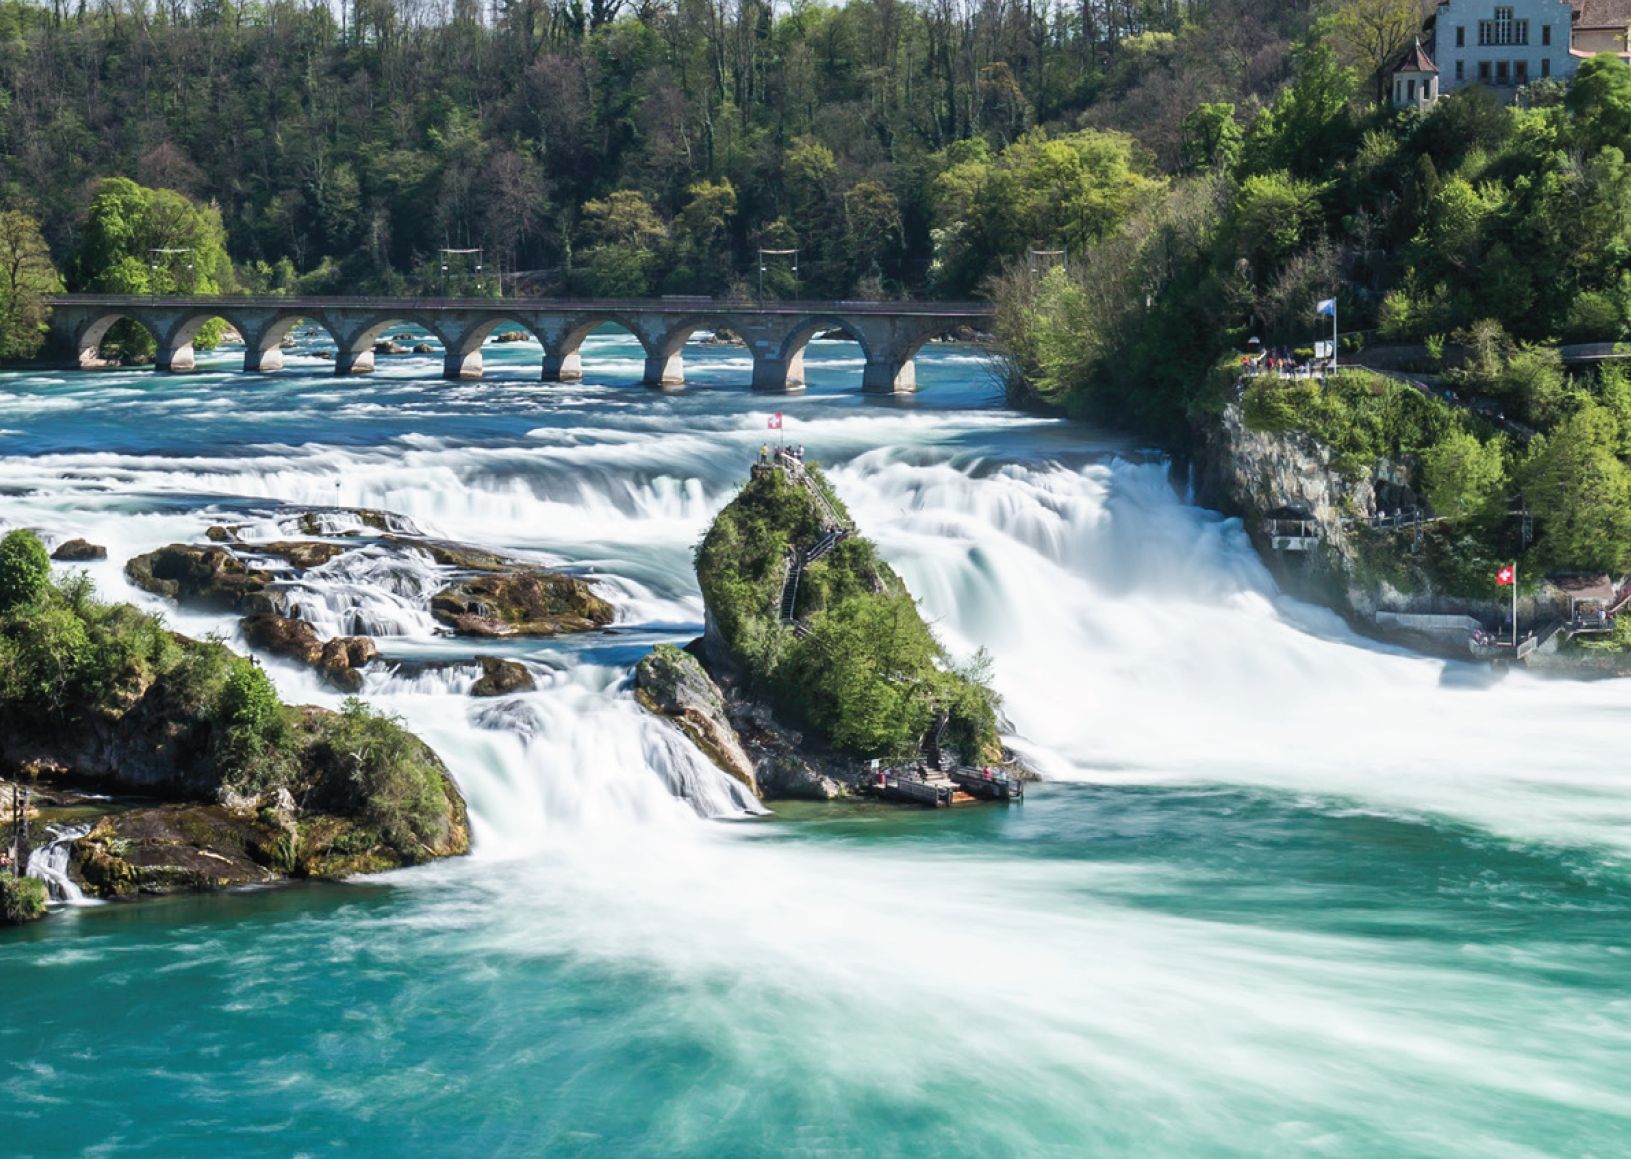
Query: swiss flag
[[776, 421], [1506, 577]]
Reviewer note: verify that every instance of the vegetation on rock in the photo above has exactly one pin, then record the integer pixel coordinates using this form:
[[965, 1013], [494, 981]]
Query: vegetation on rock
[[869, 678], [109, 694], [22, 899]]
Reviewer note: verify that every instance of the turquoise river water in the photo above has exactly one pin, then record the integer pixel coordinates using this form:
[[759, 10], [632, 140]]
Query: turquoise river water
[[1282, 892]]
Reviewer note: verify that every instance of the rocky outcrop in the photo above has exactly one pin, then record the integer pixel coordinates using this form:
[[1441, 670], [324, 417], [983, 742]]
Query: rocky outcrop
[[171, 849], [786, 768], [79, 551], [502, 678], [528, 602], [208, 576], [673, 684], [493, 596]]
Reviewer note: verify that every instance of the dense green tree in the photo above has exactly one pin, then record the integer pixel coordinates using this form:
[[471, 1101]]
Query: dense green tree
[[1464, 477], [27, 278], [25, 569], [1580, 492], [1600, 100]]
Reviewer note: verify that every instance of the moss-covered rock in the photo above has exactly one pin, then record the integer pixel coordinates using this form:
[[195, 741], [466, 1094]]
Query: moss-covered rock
[[170, 849], [105, 696], [530, 602], [673, 684]]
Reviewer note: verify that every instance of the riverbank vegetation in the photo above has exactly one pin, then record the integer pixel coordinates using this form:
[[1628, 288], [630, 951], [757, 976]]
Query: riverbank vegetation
[[106, 693], [868, 676], [612, 147]]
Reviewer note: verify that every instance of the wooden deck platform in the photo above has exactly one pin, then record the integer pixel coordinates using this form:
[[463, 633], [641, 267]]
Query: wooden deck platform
[[936, 790]]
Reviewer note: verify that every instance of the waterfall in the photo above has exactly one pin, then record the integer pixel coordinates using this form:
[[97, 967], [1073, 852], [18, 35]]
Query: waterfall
[[49, 863]]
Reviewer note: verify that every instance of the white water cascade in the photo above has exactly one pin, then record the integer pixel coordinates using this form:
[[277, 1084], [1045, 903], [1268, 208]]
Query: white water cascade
[[49, 863]]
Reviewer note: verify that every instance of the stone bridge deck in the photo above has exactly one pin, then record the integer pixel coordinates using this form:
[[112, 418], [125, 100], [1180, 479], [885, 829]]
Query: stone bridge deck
[[889, 333]]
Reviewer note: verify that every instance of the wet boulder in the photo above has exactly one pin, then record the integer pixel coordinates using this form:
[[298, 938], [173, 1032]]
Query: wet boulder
[[524, 602], [343, 659], [301, 554], [502, 677], [673, 684], [79, 551], [282, 636], [423, 348], [188, 573]]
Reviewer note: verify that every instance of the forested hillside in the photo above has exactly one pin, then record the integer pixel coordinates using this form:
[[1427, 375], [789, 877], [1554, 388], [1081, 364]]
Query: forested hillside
[[619, 147]]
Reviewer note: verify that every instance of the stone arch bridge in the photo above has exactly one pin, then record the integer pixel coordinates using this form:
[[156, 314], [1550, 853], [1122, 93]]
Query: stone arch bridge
[[889, 333]]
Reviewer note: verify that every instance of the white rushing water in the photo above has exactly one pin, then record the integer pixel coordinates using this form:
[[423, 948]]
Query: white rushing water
[[1128, 1005], [49, 863]]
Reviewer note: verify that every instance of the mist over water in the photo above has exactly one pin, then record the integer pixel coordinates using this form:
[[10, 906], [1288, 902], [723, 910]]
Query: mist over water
[[1284, 891]]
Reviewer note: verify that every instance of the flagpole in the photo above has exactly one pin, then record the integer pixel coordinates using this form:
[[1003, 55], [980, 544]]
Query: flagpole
[[1333, 332], [1514, 609]]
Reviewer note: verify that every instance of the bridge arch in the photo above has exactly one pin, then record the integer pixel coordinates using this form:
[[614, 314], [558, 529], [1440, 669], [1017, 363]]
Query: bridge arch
[[463, 342], [355, 343], [789, 364], [177, 347], [665, 359], [563, 343], [89, 337], [264, 337]]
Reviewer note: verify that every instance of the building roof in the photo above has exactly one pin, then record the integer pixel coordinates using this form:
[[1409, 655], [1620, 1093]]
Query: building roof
[[1417, 60], [1601, 13], [1585, 587]]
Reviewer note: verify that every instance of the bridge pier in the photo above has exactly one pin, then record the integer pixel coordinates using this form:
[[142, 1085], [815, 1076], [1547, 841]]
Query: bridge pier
[[354, 362], [457, 367], [262, 361], [563, 367], [773, 374], [888, 376], [665, 370], [175, 359]]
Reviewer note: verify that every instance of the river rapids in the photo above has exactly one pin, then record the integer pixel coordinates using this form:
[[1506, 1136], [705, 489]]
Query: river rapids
[[1283, 891]]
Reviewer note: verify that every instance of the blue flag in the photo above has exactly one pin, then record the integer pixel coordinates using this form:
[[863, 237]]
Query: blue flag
[[1327, 308]]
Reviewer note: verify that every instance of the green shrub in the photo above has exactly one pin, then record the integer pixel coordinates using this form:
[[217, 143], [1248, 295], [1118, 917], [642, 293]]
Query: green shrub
[[42, 671], [25, 569], [22, 899], [385, 776]]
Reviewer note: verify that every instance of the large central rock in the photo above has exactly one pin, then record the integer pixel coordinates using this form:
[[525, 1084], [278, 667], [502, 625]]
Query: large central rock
[[673, 684]]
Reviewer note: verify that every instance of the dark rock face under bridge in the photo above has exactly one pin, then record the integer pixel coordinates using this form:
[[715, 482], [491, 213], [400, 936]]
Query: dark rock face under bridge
[[889, 333]]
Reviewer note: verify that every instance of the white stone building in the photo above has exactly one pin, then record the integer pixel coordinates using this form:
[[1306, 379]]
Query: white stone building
[[1507, 44]]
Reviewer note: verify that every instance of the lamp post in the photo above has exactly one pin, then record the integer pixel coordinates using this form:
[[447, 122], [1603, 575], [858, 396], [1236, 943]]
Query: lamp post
[[448, 254], [167, 256], [770, 253]]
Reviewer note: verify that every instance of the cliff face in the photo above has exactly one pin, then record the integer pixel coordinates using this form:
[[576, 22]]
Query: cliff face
[[1366, 573], [1355, 569]]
